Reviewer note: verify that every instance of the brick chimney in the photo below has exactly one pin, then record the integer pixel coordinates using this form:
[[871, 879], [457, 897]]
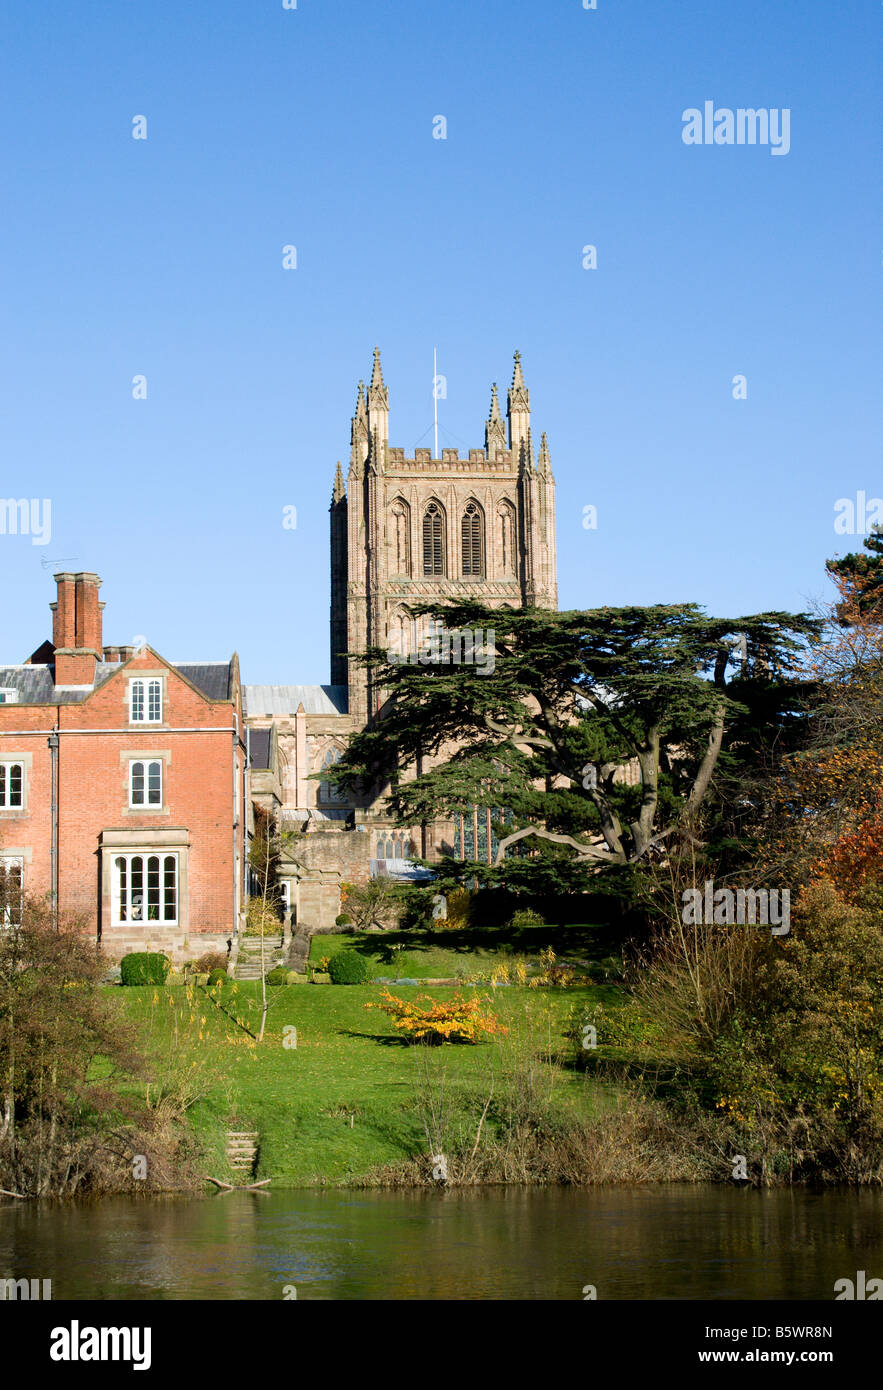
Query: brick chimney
[[76, 628]]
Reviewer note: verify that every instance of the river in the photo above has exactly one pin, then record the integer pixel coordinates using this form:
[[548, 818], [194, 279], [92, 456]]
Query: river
[[501, 1243]]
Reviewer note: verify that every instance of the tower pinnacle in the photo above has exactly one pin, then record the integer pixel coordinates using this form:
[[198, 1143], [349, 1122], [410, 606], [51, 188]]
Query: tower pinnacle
[[339, 492], [494, 430], [544, 464], [518, 407], [378, 401]]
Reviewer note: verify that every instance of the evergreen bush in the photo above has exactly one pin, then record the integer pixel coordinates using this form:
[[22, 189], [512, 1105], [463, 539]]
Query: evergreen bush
[[144, 968]]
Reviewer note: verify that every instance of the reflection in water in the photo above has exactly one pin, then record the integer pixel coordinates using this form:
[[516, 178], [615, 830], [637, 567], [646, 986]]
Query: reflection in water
[[661, 1242]]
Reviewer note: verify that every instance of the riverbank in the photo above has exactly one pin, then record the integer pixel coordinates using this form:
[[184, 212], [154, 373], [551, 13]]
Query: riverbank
[[332, 1093]]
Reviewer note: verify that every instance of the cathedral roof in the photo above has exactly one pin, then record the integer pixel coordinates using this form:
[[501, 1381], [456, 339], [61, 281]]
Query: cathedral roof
[[261, 700]]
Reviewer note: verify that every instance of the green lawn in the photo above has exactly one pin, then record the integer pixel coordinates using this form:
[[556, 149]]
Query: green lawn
[[345, 1099], [460, 953]]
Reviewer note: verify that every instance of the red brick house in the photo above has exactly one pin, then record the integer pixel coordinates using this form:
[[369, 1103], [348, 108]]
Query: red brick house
[[122, 785]]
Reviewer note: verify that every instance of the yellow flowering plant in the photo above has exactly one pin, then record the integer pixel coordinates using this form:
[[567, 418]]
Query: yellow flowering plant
[[455, 1020]]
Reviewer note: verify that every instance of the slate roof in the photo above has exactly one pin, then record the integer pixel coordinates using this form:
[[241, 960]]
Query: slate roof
[[35, 687], [213, 678], [262, 700]]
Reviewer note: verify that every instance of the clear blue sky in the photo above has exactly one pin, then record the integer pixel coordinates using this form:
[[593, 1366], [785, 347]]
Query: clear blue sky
[[313, 127]]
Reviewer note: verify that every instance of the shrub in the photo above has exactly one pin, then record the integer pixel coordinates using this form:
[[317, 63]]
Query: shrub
[[527, 917], [342, 919], [211, 961], [453, 1020], [458, 909], [623, 1027], [348, 968], [144, 968], [277, 976], [261, 919], [555, 973], [511, 972], [216, 975]]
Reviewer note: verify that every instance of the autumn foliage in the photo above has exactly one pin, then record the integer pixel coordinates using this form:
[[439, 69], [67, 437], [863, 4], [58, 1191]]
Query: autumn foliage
[[855, 862], [428, 1020]]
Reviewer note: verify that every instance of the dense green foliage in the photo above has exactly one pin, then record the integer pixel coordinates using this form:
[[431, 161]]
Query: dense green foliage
[[348, 968], [70, 1121], [571, 699], [860, 579], [144, 968]]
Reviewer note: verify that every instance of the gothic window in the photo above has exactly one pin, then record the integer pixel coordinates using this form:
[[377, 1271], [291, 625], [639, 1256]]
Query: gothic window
[[401, 521], [401, 633], [506, 516], [328, 791], [395, 846], [433, 540], [474, 834], [472, 536]]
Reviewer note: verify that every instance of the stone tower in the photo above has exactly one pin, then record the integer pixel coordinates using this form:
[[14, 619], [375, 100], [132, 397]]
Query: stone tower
[[408, 530]]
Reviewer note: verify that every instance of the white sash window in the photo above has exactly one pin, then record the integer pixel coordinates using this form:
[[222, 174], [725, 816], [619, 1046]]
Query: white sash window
[[145, 888]]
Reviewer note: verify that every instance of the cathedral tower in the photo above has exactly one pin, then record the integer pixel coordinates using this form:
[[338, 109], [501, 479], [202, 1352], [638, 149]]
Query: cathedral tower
[[408, 530]]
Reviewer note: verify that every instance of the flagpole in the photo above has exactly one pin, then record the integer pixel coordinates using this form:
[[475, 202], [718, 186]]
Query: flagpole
[[435, 396]]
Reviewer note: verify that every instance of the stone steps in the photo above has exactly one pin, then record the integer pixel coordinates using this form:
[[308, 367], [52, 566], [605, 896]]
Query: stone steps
[[248, 964], [242, 1148]]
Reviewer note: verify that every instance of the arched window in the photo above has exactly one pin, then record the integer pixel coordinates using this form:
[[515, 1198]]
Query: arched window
[[506, 517], [394, 846], [472, 537], [401, 633], [475, 837], [433, 540], [401, 548], [328, 791]]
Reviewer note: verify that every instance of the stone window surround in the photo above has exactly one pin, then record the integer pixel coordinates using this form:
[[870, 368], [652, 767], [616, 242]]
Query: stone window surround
[[10, 859], [162, 840], [143, 755], [139, 675], [27, 762]]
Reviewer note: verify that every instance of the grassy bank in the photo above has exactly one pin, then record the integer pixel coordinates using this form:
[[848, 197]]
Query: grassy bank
[[350, 1097], [468, 954]]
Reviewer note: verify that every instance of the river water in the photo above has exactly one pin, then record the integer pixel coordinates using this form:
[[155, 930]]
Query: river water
[[627, 1243]]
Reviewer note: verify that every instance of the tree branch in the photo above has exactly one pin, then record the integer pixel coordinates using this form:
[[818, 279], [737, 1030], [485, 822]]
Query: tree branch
[[584, 851]]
